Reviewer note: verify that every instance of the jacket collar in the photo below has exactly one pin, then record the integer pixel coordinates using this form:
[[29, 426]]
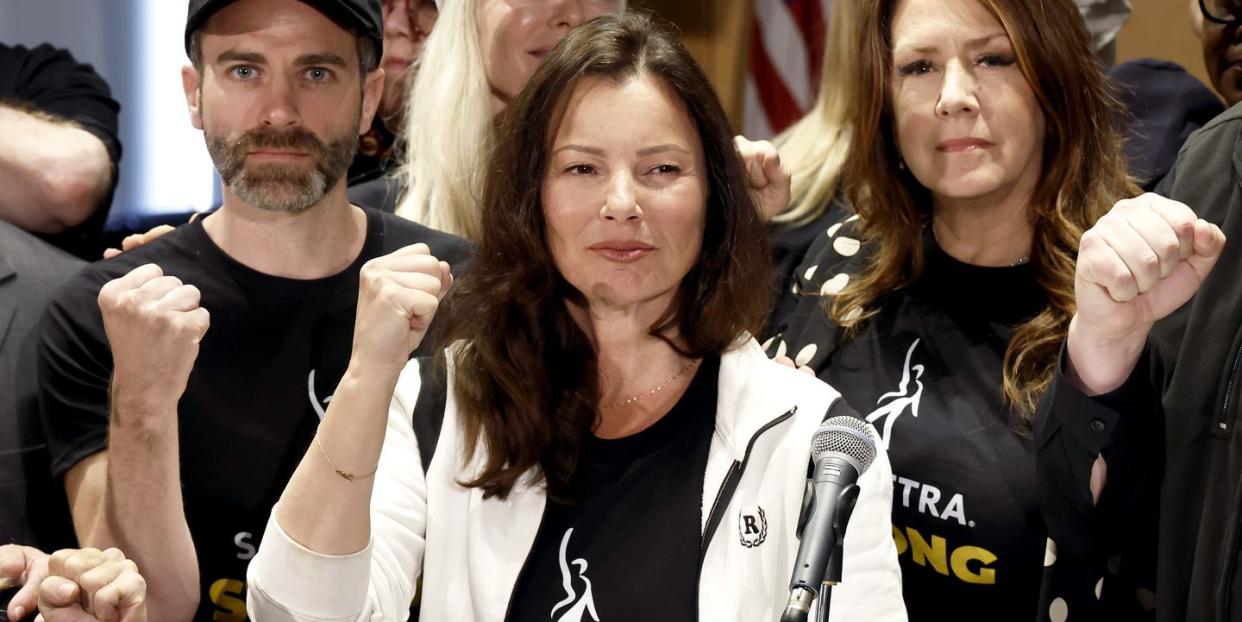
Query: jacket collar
[[753, 391]]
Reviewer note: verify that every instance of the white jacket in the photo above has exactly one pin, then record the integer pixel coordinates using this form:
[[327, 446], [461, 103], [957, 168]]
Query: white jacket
[[469, 550]]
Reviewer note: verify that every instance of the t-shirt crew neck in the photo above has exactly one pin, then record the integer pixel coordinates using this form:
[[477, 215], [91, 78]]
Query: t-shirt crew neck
[[627, 545]]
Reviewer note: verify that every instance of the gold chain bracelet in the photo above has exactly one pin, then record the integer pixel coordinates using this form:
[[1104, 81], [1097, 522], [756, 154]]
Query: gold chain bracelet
[[344, 475]]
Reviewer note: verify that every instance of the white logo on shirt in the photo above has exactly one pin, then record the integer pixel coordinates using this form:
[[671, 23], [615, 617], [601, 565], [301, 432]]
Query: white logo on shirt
[[900, 399], [314, 400], [577, 606]]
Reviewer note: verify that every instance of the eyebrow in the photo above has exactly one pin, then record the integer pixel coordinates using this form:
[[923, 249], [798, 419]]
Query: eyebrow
[[322, 58], [971, 43], [243, 57], [645, 151]]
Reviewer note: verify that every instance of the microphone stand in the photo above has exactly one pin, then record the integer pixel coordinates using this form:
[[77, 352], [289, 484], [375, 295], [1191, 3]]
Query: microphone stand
[[800, 597]]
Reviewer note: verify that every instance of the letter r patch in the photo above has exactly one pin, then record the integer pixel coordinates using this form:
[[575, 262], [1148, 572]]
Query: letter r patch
[[752, 526]]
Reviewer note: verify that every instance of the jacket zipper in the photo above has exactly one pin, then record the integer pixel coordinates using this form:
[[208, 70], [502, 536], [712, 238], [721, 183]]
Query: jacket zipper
[[1225, 587], [723, 496], [1223, 422]]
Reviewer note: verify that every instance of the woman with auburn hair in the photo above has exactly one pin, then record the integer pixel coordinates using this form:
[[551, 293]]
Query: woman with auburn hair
[[985, 142], [603, 439]]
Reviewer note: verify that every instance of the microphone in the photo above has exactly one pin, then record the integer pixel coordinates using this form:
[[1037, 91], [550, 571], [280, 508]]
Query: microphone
[[842, 450]]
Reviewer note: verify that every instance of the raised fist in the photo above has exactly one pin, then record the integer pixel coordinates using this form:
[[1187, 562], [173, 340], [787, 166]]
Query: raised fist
[[1142, 261], [768, 179], [1139, 263], [398, 295], [154, 326]]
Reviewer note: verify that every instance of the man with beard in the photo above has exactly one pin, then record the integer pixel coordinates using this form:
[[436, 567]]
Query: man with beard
[[182, 382]]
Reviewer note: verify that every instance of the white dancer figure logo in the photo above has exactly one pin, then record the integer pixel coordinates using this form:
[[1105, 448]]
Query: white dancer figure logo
[[310, 390], [578, 605], [899, 399]]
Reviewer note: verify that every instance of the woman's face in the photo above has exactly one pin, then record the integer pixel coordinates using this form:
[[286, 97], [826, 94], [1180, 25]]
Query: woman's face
[[407, 23], [515, 35], [966, 120], [625, 193]]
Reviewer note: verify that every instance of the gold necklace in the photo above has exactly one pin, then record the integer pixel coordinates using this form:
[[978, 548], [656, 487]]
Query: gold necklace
[[659, 388]]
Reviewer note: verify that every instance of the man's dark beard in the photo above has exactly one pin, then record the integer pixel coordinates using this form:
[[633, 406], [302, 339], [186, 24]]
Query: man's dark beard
[[281, 187]]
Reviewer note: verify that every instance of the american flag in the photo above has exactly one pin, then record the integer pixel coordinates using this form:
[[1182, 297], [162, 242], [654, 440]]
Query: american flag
[[786, 54]]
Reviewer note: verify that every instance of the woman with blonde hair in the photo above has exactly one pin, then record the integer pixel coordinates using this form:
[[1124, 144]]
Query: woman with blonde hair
[[985, 141], [475, 62], [814, 151]]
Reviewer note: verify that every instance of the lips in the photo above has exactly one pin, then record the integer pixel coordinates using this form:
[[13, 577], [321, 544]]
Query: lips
[[278, 154], [540, 53], [622, 251], [962, 145]]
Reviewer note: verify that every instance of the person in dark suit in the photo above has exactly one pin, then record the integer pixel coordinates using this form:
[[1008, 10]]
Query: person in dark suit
[[31, 270]]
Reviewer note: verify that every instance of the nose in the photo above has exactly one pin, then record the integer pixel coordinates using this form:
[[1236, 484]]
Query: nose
[[567, 14], [621, 202], [279, 106], [957, 92], [397, 20]]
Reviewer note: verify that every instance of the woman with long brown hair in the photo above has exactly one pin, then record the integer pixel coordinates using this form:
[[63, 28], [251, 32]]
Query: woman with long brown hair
[[604, 439], [986, 141]]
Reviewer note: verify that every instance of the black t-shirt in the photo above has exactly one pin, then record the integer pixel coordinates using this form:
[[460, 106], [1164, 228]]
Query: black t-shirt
[[927, 372], [381, 193], [50, 80], [628, 545], [265, 371]]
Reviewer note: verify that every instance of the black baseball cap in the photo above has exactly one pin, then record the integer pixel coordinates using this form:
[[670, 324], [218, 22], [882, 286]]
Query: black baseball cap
[[365, 17]]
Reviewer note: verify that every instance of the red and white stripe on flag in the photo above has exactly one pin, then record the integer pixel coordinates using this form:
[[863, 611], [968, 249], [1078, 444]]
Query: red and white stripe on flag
[[786, 53]]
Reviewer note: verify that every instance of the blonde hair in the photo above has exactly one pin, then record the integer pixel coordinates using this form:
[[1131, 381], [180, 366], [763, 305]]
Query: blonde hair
[[816, 147], [448, 127]]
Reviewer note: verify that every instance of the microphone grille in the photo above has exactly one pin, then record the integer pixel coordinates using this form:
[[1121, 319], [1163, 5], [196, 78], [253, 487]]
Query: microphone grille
[[846, 436]]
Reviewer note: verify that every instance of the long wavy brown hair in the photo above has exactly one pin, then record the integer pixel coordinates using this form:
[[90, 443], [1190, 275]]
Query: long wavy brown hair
[[1083, 174], [526, 377]]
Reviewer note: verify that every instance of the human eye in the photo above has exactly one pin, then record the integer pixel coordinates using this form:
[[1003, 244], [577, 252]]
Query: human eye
[[580, 169], [914, 68], [243, 72], [319, 74], [995, 60], [666, 169]]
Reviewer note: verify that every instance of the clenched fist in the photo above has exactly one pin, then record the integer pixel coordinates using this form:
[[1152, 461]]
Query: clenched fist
[[1141, 261], [768, 179], [86, 585], [154, 324], [398, 295], [72, 585]]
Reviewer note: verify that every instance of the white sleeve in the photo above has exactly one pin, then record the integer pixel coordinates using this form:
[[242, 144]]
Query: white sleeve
[[288, 582], [870, 587]]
